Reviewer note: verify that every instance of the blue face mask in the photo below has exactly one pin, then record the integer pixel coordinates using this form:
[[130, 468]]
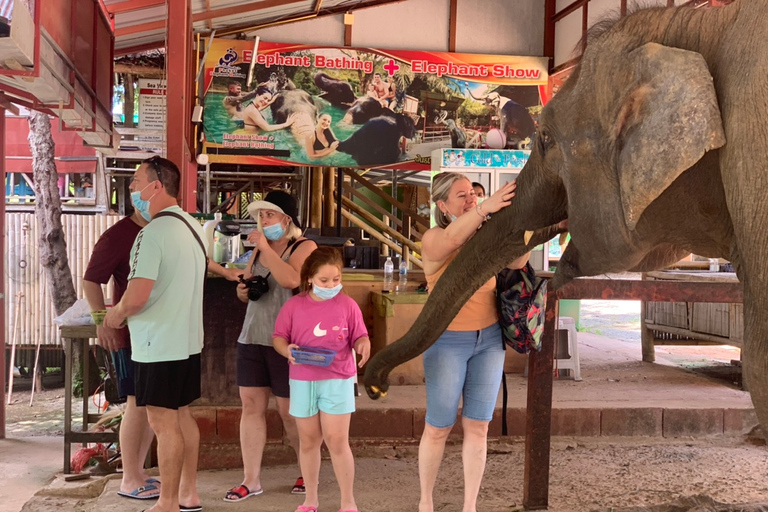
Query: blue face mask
[[141, 205], [326, 293], [274, 232]]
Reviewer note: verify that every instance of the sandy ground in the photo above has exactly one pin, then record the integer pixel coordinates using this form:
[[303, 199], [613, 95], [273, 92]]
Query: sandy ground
[[586, 474]]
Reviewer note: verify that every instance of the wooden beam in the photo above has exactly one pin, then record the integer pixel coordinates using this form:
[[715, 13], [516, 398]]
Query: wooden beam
[[378, 236], [452, 26], [550, 6], [140, 71], [376, 223], [6, 104], [3, 364], [331, 11], [349, 20], [130, 50], [568, 9], [132, 5], [352, 174], [623, 8], [329, 203], [178, 100], [316, 197], [244, 8]]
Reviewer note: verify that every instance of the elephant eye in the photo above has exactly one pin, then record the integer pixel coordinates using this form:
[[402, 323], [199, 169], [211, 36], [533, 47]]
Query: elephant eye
[[545, 140]]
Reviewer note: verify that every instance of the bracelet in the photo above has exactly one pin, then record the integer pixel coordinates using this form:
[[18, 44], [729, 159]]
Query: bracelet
[[481, 214]]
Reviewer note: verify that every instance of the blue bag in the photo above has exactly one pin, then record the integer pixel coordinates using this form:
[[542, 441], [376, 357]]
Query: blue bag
[[522, 299]]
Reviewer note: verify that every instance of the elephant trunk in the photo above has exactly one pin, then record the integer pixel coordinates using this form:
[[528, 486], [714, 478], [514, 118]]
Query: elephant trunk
[[491, 249]]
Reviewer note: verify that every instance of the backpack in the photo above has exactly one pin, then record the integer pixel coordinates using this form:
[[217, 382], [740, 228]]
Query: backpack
[[521, 298]]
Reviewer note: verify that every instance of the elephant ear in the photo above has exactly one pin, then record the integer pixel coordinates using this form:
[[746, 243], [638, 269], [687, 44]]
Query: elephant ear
[[667, 121]]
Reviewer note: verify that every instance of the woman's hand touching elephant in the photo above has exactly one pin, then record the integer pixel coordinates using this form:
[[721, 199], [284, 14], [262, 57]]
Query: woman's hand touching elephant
[[501, 198], [290, 120]]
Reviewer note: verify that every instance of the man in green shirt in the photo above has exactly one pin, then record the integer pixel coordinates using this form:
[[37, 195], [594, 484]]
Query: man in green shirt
[[163, 306]]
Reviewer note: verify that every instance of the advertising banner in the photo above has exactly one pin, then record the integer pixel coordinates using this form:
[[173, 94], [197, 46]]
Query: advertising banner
[[288, 104]]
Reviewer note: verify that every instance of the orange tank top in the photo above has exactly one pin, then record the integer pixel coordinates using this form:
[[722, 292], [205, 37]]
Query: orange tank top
[[479, 311]]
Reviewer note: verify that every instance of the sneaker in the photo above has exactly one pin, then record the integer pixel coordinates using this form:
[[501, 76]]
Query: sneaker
[[298, 487]]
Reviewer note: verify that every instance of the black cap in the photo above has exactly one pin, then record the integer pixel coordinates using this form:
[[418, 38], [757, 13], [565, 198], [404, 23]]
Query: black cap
[[277, 200]]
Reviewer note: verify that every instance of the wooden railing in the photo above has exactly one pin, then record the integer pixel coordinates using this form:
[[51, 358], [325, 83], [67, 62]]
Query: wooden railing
[[395, 232]]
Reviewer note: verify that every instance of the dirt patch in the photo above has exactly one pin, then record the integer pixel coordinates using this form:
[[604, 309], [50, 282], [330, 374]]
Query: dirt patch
[[46, 415]]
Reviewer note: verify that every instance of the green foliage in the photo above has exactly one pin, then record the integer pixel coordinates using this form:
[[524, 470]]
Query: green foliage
[[473, 113]]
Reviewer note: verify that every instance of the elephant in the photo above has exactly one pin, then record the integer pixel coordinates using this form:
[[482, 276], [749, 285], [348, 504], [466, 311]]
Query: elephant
[[654, 148], [377, 142], [458, 137], [364, 109], [514, 119], [336, 92], [299, 102]]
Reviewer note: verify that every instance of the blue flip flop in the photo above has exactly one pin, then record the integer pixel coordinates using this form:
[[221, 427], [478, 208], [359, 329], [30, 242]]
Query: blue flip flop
[[136, 493]]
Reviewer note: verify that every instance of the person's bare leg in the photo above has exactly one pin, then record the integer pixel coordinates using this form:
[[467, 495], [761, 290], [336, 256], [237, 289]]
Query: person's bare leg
[[188, 484], [146, 442], [134, 433], [289, 424], [431, 448], [473, 454], [310, 440], [253, 433], [336, 435], [170, 455]]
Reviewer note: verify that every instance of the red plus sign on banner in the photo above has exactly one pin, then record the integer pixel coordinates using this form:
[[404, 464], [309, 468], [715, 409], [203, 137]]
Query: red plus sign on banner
[[391, 67]]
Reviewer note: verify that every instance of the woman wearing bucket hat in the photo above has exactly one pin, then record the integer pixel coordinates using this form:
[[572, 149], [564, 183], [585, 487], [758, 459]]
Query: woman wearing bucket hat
[[277, 257]]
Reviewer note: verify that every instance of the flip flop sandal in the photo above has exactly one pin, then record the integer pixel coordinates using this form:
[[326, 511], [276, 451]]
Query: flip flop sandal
[[153, 481], [136, 493], [240, 493], [298, 487], [306, 508], [190, 508]]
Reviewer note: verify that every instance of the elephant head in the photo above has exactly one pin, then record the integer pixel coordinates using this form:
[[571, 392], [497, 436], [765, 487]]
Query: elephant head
[[625, 151]]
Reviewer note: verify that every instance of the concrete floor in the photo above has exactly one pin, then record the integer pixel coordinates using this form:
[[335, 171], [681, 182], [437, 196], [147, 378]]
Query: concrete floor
[[614, 377]]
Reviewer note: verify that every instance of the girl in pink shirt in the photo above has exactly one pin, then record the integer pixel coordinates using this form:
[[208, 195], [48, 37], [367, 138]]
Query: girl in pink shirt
[[322, 398]]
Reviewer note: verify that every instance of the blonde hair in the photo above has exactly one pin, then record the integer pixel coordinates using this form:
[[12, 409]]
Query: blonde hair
[[441, 187], [292, 231]]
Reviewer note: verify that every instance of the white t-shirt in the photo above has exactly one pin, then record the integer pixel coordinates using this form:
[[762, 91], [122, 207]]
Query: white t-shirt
[[170, 325]]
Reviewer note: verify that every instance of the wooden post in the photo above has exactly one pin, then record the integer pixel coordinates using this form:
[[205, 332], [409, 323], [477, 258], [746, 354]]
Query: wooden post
[[646, 334], [179, 99], [329, 203], [3, 365], [316, 197]]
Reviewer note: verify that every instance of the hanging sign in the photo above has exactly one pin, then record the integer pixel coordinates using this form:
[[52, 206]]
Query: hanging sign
[[288, 104]]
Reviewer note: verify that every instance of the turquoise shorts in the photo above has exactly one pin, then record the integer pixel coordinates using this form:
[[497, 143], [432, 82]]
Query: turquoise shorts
[[332, 396]]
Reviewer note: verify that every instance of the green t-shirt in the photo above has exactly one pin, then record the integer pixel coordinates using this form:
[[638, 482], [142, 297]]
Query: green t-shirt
[[170, 325]]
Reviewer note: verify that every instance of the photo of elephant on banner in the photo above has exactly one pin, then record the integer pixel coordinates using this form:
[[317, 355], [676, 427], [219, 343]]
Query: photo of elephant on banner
[[655, 147], [294, 104]]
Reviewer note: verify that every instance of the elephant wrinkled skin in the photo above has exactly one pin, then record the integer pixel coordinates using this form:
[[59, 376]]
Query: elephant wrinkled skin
[[655, 147]]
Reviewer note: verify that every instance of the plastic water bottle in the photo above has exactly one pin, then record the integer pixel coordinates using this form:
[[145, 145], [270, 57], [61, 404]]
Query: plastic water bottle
[[402, 281], [389, 274]]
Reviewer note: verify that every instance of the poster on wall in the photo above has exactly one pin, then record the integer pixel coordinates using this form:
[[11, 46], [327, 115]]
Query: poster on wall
[[152, 93], [289, 104]]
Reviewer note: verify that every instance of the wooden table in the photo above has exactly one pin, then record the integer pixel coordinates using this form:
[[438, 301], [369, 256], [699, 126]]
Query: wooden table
[[539, 406], [77, 338]]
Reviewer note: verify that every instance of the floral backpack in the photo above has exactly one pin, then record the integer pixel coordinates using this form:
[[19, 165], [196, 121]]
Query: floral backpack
[[521, 299]]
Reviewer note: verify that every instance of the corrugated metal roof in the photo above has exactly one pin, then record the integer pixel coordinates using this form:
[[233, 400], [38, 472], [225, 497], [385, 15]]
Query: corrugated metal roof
[[139, 24]]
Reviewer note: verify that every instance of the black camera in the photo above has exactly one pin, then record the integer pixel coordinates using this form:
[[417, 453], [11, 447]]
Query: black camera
[[256, 285]]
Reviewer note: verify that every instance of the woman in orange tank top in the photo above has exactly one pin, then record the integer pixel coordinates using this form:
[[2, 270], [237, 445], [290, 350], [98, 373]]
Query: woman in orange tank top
[[467, 361]]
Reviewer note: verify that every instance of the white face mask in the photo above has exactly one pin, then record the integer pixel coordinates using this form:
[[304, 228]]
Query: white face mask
[[326, 293]]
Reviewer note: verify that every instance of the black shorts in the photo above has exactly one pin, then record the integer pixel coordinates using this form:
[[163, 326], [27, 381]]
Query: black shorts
[[259, 366], [124, 371], [169, 384]]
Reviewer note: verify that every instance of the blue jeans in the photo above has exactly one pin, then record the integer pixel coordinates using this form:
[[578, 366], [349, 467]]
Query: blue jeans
[[466, 365]]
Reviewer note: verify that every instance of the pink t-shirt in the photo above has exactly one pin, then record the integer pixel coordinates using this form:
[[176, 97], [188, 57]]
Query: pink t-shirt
[[333, 324]]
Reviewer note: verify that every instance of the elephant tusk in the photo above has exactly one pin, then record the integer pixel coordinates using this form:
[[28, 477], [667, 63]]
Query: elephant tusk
[[527, 237], [563, 238]]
